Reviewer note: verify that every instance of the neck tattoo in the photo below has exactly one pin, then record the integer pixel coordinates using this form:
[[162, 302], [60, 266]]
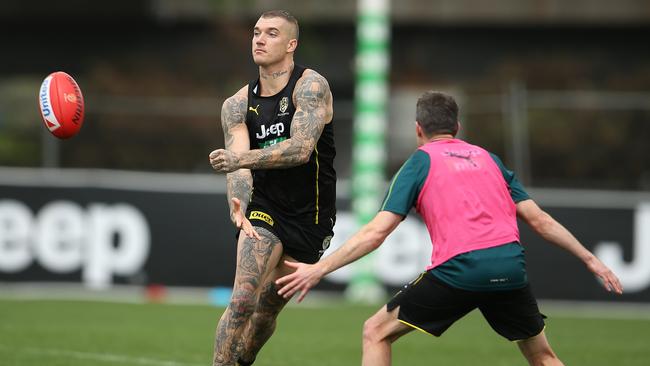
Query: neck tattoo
[[274, 75]]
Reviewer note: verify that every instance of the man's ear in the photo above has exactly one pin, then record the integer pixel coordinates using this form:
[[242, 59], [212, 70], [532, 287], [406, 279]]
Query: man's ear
[[457, 128], [418, 130], [292, 45]]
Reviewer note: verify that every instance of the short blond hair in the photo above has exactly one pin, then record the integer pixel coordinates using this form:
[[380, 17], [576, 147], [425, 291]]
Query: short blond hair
[[286, 16]]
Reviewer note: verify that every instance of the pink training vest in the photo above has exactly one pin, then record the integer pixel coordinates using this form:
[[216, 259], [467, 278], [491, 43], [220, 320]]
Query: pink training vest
[[465, 202]]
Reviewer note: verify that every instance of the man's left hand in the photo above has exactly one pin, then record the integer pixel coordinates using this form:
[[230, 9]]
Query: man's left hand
[[605, 275], [224, 161], [303, 279]]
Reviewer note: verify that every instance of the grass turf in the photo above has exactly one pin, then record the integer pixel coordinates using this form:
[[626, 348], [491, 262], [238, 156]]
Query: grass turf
[[75, 333]]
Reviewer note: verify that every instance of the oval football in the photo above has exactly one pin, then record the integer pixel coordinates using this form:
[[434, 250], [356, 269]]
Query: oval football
[[62, 105]]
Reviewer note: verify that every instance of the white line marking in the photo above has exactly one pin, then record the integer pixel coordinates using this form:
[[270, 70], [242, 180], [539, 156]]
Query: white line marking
[[102, 357]]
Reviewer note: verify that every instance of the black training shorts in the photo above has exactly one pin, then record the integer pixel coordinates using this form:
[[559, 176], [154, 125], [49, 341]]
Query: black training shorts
[[302, 239], [433, 306]]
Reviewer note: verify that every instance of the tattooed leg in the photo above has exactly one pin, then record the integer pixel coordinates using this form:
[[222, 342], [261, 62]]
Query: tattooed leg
[[255, 260], [263, 321]]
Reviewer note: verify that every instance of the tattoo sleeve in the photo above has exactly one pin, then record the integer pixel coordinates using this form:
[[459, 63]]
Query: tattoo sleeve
[[233, 122], [313, 110]]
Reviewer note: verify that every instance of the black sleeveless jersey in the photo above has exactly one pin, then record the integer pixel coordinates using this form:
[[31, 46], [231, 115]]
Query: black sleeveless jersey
[[306, 192]]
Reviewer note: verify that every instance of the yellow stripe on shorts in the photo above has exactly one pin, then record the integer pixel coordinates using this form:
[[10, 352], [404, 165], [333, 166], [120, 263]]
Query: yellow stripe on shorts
[[259, 215]]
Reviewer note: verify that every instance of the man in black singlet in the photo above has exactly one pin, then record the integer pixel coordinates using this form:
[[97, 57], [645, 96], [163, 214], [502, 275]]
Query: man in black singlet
[[279, 158]]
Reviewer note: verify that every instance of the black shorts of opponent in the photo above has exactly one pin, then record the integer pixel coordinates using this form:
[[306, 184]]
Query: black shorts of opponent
[[302, 240], [432, 306]]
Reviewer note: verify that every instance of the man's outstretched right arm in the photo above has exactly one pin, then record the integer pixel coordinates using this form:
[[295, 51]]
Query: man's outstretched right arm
[[239, 182], [367, 239]]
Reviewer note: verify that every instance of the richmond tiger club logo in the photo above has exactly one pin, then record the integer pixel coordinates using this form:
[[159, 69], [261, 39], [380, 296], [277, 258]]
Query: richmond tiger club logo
[[284, 104], [326, 245]]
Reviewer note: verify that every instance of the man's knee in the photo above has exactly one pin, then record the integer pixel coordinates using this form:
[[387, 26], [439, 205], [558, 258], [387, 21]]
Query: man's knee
[[270, 302], [538, 352], [543, 357], [263, 319], [371, 333], [267, 310], [242, 303]]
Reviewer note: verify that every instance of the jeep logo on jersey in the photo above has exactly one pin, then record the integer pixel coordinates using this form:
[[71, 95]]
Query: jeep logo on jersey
[[275, 129], [284, 103]]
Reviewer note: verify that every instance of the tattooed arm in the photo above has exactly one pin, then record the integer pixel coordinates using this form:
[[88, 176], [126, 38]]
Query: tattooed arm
[[313, 100], [239, 182]]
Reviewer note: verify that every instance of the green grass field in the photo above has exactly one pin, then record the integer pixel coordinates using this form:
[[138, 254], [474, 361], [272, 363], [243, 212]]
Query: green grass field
[[71, 333]]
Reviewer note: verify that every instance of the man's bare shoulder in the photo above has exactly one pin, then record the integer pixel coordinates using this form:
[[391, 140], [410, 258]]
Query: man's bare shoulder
[[311, 75], [238, 97], [312, 93], [233, 110], [312, 85]]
